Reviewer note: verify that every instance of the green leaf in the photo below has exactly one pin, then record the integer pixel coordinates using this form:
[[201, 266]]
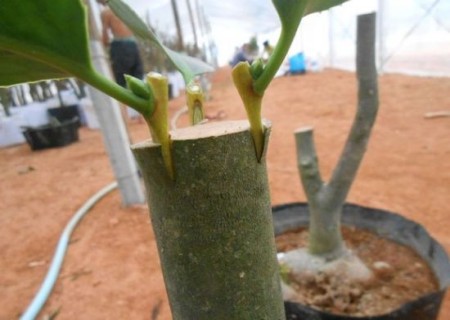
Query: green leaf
[[47, 39], [42, 40], [15, 69], [188, 66], [290, 13], [314, 6]]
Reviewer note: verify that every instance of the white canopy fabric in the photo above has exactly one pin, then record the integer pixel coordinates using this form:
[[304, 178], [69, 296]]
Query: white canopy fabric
[[409, 30]]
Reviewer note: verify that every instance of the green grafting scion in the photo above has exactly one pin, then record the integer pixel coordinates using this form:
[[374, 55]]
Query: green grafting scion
[[138, 87], [285, 272], [197, 117], [195, 103], [290, 13], [257, 68], [243, 81], [158, 120], [143, 90], [251, 82]]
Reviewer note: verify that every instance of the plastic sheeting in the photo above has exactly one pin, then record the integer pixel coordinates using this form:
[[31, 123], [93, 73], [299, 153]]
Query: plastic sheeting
[[414, 35]]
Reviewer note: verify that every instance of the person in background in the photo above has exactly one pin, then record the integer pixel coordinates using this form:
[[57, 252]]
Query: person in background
[[267, 51], [241, 54], [123, 50]]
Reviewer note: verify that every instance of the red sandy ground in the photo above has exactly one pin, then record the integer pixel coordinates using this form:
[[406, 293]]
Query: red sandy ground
[[112, 269]]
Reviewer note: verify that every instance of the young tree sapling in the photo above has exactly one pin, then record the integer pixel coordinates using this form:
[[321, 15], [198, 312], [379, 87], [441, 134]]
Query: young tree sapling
[[326, 252]]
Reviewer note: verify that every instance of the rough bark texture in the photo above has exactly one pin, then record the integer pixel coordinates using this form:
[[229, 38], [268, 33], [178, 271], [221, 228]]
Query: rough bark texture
[[213, 224]]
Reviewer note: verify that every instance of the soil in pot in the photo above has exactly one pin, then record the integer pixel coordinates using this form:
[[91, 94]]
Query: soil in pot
[[400, 275], [405, 235]]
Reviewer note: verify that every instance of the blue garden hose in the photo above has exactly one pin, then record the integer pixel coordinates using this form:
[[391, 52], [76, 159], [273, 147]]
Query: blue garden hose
[[52, 275]]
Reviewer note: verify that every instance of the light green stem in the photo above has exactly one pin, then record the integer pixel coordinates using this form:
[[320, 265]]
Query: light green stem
[[194, 95], [119, 93], [158, 121], [275, 61], [290, 15], [243, 82]]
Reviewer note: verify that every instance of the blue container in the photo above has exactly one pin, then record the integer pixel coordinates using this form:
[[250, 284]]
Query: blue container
[[297, 64]]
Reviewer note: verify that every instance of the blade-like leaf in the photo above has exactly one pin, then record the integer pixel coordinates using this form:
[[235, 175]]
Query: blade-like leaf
[[41, 40], [15, 69], [47, 39], [188, 66], [292, 11]]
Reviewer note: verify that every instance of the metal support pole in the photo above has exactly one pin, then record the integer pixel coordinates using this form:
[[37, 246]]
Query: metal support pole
[[113, 128], [330, 38], [380, 36]]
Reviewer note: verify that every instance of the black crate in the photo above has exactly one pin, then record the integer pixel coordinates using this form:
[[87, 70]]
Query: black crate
[[65, 113], [51, 136]]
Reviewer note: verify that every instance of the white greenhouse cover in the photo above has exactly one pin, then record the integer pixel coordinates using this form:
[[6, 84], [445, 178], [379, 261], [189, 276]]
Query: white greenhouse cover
[[413, 35]]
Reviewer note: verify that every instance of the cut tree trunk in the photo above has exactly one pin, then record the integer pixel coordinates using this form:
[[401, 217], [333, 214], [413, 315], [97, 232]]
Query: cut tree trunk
[[213, 224]]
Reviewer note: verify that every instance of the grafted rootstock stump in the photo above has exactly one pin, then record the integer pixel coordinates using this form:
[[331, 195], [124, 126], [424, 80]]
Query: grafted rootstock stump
[[213, 224]]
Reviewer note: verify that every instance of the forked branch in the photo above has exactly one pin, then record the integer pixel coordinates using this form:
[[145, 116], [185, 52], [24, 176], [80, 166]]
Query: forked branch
[[326, 200]]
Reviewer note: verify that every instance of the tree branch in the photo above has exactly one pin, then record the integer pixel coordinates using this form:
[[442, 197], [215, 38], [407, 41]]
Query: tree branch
[[357, 141], [307, 162]]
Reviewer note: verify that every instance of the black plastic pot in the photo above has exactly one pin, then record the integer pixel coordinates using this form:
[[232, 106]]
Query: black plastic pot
[[51, 136], [66, 113], [387, 225]]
